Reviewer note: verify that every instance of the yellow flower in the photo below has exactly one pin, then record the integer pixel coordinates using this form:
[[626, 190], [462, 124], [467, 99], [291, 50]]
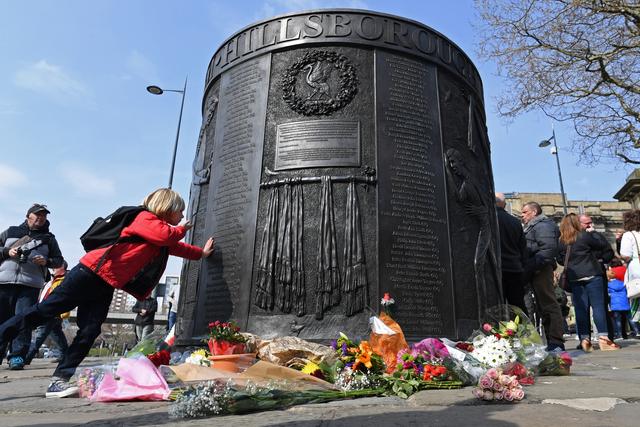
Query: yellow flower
[[201, 352], [310, 368]]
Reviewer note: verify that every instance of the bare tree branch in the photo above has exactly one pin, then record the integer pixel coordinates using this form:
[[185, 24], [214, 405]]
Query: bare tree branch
[[576, 60]]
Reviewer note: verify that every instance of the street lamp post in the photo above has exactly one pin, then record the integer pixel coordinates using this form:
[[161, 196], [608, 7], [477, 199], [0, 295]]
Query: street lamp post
[[546, 143], [155, 90]]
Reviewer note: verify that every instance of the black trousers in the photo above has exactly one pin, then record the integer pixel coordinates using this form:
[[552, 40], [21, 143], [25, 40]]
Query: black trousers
[[80, 288], [513, 289]]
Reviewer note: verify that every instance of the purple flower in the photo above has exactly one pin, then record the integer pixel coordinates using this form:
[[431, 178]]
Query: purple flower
[[348, 365], [334, 344], [344, 348]]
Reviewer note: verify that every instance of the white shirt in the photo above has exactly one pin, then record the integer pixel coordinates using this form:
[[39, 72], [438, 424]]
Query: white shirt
[[628, 246]]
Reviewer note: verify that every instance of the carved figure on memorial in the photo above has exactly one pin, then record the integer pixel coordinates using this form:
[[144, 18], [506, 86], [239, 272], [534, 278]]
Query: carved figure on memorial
[[320, 65], [317, 76], [470, 196], [354, 285], [328, 274]]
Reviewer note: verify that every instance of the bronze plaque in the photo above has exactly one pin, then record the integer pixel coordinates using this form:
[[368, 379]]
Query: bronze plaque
[[317, 144]]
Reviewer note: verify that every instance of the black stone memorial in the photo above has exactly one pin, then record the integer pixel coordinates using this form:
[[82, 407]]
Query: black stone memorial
[[343, 154]]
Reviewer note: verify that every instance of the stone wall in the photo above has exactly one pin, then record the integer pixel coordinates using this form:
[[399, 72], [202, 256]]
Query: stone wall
[[606, 215]]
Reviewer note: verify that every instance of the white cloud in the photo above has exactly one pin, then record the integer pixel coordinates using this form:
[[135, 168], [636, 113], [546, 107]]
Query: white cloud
[[10, 178], [86, 183], [141, 67], [51, 80]]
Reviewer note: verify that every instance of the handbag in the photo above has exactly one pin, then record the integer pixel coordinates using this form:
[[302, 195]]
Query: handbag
[[564, 281], [632, 276]]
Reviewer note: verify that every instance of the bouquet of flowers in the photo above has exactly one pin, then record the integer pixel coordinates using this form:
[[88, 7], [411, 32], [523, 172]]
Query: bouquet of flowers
[[162, 357], [509, 323], [497, 386], [522, 374], [492, 351], [387, 337], [425, 366], [556, 365], [225, 338], [88, 379], [221, 398], [199, 357], [357, 357], [386, 302]]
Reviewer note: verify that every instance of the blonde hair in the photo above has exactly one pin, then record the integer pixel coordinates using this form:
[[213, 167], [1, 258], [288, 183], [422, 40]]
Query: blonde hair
[[163, 202], [569, 228]]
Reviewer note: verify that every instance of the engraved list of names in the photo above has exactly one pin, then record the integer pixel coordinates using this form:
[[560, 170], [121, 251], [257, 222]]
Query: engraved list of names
[[414, 251], [225, 279]]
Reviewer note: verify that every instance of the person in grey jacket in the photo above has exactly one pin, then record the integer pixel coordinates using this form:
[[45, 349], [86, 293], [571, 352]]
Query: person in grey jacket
[[26, 251], [542, 236]]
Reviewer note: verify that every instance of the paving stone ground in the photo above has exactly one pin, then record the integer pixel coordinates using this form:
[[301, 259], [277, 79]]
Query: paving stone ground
[[603, 390]]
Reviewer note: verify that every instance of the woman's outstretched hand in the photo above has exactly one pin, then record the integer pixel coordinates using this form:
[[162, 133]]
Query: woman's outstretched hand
[[208, 247]]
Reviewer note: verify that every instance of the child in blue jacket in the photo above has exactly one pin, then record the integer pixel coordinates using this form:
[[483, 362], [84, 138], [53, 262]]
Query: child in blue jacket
[[619, 303]]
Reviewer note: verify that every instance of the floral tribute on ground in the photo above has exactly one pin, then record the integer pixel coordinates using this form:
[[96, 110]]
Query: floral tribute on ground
[[503, 355]]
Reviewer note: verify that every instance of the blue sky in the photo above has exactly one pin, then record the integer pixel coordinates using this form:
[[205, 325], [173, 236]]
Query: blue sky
[[79, 132]]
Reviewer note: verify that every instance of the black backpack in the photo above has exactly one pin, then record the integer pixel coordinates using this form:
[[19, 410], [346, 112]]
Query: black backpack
[[106, 231]]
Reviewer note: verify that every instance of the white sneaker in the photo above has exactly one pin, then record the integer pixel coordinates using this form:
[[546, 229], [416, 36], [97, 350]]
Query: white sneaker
[[61, 388]]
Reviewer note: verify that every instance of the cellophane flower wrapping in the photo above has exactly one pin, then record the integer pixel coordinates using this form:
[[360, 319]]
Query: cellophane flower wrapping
[[467, 367], [510, 323], [387, 342], [134, 379], [555, 365], [89, 378], [520, 372], [153, 343]]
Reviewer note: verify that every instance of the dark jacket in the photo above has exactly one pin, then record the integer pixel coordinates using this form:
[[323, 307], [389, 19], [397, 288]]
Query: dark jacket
[[513, 246], [542, 236], [149, 304], [585, 254], [32, 242]]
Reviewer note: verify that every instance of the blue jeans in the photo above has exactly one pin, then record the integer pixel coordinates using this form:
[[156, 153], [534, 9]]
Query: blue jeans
[[16, 299], [52, 328], [172, 319], [80, 288], [585, 294]]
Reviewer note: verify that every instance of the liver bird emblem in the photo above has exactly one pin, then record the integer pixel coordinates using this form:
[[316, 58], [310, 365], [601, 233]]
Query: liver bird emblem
[[317, 75]]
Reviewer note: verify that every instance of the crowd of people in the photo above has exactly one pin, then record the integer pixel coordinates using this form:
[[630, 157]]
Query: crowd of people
[[593, 274], [134, 263]]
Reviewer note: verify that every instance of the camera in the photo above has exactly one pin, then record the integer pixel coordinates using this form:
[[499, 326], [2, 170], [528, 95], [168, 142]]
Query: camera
[[23, 255], [25, 250]]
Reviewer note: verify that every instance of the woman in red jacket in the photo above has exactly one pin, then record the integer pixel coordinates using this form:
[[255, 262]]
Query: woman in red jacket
[[134, 266]]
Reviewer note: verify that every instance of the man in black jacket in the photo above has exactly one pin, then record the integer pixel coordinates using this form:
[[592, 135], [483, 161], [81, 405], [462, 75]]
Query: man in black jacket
[[542, 234], [513, 250], [146, 310]]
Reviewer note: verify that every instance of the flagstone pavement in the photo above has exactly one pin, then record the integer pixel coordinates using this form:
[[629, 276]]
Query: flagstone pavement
[[603, 390]]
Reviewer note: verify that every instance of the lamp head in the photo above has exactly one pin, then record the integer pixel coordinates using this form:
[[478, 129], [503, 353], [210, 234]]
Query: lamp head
[[155, 90], [545, 143]]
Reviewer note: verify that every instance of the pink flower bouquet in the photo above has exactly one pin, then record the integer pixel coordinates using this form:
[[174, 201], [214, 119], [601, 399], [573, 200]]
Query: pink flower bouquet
[[494, 385]]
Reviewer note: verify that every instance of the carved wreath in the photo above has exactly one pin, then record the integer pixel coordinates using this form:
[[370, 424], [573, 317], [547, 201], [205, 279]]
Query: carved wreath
[[314, 107]]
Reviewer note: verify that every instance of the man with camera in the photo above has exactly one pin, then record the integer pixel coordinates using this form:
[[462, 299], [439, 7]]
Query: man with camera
[[26, 251]]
